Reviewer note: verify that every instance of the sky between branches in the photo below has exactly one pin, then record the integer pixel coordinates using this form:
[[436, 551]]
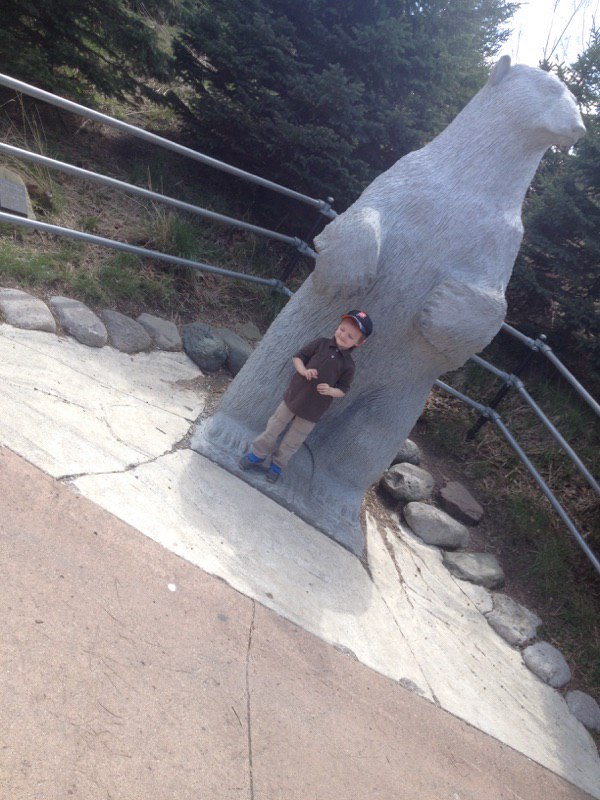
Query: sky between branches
[[552, 29]]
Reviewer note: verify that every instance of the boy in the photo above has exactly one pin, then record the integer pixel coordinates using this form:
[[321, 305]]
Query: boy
[[324, 370]]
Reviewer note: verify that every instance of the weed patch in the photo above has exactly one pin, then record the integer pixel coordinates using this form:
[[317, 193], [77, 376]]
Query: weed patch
[[23, 266], [125, 279]]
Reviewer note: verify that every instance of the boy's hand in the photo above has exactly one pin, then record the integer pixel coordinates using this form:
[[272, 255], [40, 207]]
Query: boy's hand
[[330, 391], [309, 374]]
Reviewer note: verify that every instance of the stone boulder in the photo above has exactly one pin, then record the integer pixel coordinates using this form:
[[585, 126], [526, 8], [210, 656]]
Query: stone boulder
[[512, 621], [435, 527], [238, 351], [124, 333], [249, 331], [480, 568], [460, 504], [79, 321], [23, 310], [548, 663], [203, 346], [584, 708], [163, 332], [407, 482], [409, 453]]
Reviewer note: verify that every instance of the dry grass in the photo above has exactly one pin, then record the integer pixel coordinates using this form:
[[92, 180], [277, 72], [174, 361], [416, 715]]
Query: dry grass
[[102, 277]]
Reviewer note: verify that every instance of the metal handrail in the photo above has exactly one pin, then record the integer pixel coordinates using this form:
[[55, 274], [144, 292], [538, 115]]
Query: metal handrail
[[324, 206], [490, 367], [518, 384], [40, 94], [24, 222], [541, 346], [546, 490], [493, 415], [70, 169]]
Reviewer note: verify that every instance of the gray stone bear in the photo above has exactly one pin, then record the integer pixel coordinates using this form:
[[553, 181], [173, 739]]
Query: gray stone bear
[[427, 250]]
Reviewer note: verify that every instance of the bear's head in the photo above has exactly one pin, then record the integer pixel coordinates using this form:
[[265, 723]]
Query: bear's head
[[535, 103]]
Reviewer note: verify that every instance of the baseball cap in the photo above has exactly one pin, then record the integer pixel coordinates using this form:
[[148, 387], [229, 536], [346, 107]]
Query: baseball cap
[[362, 319]]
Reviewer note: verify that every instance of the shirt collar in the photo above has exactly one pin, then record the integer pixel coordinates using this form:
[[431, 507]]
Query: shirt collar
[[333, 344]]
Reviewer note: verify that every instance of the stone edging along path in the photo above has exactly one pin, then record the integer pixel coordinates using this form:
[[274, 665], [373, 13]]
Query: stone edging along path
[[446, 527], [209, 348]]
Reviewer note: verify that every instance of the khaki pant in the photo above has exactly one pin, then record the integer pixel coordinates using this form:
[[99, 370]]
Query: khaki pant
[[297, 432]]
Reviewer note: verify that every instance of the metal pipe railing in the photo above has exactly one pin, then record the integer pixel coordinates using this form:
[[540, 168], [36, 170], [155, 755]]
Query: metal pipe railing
[[500, 394], [555, 433], [490, 367], [541, 346], [70, 169], [497, 419], [546, 490], [526, 340], [546, 350], [518, 384], [460, 396], [40, 94], [23, 222]]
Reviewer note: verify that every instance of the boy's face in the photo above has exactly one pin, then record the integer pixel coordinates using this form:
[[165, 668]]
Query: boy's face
[[348, 335]]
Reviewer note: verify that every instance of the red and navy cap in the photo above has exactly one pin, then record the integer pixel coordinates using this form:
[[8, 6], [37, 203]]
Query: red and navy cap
[[362, 319]]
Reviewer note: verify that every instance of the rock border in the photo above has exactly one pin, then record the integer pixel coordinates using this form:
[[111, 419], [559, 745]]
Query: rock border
[[513, 622], [70, 317]]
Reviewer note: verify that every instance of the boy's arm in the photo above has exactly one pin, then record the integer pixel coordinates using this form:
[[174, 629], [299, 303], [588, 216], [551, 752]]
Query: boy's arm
[[342, 386], [303, 355], [309, 374], [330, 391]]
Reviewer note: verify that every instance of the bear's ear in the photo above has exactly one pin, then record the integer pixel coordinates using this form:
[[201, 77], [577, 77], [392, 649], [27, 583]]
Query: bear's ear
[[500, 70]]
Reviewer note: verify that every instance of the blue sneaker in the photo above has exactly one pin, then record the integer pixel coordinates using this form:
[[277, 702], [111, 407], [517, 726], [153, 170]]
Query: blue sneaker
[[249, 460], [273, 473]]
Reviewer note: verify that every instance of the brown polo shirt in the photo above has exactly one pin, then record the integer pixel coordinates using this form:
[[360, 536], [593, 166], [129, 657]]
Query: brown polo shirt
[[335, 367]]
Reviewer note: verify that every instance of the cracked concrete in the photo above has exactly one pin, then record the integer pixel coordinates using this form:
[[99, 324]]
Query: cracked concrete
[[249, 703], [74, 410], [113, 420]]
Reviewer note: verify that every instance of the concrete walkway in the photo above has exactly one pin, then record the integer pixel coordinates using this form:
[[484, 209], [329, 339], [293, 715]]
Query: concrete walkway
[[140, 675]]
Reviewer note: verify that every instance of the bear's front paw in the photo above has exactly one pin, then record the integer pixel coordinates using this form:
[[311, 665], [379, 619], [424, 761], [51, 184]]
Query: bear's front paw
[[459, 319]]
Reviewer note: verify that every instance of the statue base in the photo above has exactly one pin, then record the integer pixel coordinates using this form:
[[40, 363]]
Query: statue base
[[330, 508]]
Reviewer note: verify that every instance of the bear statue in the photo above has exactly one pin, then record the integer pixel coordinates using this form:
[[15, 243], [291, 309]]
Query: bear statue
[[427, 250]]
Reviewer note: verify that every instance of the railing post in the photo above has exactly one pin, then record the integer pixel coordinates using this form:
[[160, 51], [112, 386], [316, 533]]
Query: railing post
[[501, 393]]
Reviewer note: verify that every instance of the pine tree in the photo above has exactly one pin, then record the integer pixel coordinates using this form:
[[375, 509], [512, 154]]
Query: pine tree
[[556, 284], [324, 94], [72, 46]]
